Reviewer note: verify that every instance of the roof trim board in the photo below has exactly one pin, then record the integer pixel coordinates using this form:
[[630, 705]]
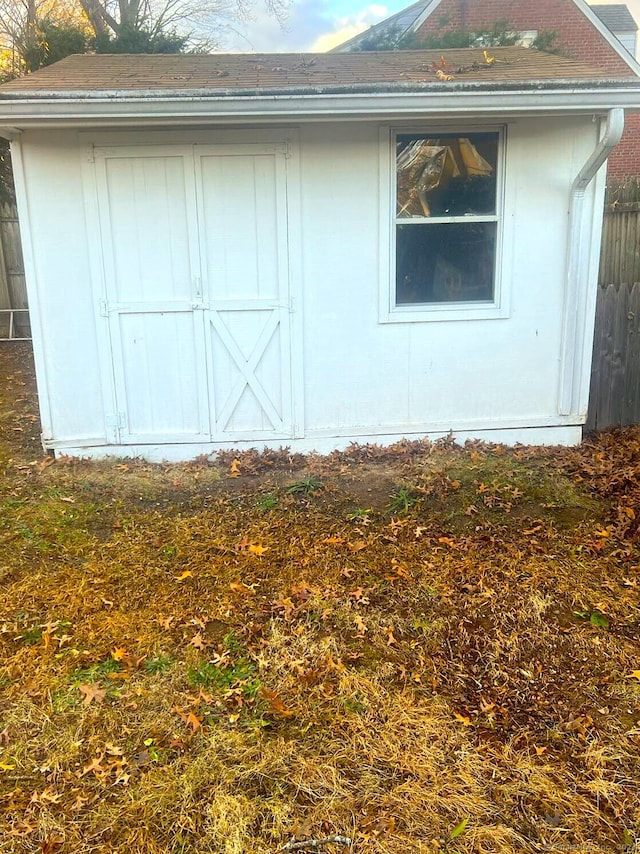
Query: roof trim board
[[187, 108]]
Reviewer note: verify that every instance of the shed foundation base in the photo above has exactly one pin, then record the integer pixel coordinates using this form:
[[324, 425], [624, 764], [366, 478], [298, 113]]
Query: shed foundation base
[[562, 435]]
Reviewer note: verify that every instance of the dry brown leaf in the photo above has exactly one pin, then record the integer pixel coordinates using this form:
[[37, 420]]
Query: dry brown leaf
[[198, 641], [94, 767], [91, 692], [239, 587], [358, 546], [275, 703]]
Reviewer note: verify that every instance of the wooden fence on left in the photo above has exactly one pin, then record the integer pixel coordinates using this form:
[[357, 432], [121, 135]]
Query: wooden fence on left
[[14, 316]]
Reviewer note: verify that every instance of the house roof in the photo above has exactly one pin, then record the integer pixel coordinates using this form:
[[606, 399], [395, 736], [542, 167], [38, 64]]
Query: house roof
[[233, 74], [411, 19], [151, 89], [403, 22], [398, 25], [616, 17]]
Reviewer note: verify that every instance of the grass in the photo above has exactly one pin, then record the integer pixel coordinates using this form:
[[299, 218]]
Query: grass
[[425, 649]]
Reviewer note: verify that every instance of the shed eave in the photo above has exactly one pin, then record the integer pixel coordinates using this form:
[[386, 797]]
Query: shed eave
[[80, 108]]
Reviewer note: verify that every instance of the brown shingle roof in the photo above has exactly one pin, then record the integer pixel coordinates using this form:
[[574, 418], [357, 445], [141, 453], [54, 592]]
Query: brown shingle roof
[[229, 74]]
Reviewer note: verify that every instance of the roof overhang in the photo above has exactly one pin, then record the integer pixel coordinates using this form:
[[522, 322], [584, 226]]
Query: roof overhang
[[29, 110]]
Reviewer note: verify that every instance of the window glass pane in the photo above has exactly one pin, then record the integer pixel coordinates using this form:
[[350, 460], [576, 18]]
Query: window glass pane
[[448, 175], [445, 262]]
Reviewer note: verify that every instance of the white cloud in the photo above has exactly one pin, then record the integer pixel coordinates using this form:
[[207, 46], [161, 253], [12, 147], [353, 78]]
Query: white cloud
[[349, 26], [311, 26]]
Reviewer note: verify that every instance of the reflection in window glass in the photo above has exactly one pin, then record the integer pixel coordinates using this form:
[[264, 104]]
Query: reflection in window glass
[[451, 177], [446, 262], [446, 175]]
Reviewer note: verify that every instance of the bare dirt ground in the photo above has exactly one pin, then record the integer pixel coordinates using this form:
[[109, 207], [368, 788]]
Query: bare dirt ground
[[410, 650]]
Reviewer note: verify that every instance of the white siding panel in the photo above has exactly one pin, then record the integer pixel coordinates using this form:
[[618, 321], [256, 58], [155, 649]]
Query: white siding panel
[[160, 365], [148, 219], [240, 227], [361, 377]]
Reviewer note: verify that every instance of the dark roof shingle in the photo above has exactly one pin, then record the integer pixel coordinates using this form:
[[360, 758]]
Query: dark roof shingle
[[616, 17]]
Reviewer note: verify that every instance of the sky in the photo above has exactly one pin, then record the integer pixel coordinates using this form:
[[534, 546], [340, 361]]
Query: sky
[[319, 25]]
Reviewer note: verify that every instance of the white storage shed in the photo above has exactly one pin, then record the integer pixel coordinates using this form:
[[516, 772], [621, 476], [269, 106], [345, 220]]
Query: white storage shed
[[308, 250]]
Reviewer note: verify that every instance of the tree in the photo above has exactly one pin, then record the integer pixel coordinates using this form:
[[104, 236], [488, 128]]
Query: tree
[[167, 26], [34, 33], [500, 34]]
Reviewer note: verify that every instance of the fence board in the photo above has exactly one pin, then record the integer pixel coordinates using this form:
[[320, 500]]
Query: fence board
[[614, 399], [615, 369], [13, 289]]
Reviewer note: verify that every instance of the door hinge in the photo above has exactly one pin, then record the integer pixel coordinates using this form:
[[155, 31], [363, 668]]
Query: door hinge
[[288, 149], [91, 154], [104, 308]]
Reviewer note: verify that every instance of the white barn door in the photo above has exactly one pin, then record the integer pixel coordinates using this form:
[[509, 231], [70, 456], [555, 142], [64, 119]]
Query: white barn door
[[194, 254], [242, 216], [147, 213]]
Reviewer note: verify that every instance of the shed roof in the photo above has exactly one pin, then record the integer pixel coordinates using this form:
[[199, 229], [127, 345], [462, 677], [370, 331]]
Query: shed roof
[[233, 74], [616, 17], [116, 90]]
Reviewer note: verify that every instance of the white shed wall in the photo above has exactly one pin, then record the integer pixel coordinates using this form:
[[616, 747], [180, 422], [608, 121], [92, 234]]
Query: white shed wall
[[359, 377]]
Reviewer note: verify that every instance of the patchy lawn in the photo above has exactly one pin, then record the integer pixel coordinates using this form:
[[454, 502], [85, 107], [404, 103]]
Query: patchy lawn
[[419, 649]]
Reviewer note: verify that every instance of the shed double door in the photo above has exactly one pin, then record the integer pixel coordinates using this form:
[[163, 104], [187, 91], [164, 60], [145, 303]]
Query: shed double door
[[196, 292]]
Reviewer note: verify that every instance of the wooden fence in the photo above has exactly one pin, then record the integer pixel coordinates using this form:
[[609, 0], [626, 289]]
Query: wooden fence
[[614, 400], [13, 291]]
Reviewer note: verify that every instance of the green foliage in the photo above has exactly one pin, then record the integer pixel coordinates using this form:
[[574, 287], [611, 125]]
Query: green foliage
[[383, 38], [7, 191], [94, 672], [241, 674], [267, 502], [158, 666], [546, 41], [596, 618], [402, 500], [130, 39], [55, 41], [459, 828], [361, 515], [305, 486], [499, 34]]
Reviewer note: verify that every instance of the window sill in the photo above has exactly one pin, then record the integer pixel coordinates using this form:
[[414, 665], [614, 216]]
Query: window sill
[[444, 311]]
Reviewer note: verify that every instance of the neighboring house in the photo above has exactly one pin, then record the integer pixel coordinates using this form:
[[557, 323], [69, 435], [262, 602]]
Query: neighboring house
[[582, 32], [617, 18], [307, 250]]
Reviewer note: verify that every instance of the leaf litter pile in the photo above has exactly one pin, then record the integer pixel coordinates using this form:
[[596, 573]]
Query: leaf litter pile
[[424, 648]]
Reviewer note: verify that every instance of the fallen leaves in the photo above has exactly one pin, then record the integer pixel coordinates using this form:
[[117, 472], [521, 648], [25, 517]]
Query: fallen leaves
[[315, 632], [91, 693], [257, 549], [275, 704], [189, 718]]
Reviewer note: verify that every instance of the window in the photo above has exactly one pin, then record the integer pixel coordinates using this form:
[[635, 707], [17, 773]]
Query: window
[[446, 195]]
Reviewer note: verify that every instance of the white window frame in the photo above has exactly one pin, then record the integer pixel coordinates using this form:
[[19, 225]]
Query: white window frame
[[389, 311]]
